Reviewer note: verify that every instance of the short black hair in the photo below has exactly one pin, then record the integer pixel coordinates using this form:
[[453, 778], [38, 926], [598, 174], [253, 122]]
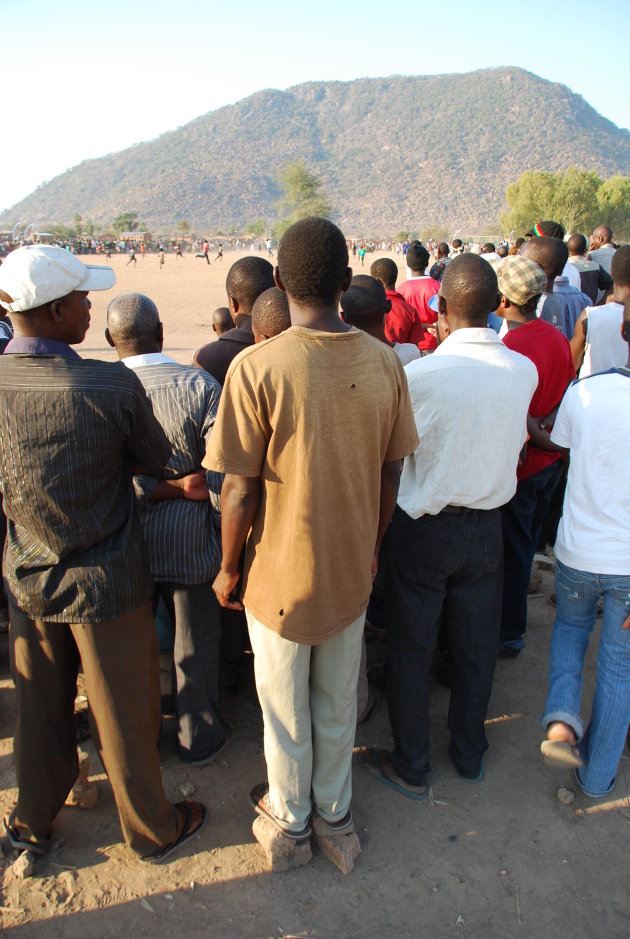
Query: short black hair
[[457, 242], [385, 270], [620, 266], [313, 261], [270, 313], [470, 288], [443, 250], [223, 318], [576, 244], [417, 257], [551, 253], [246, 280], [487, 248], [364, 304], [503, 251]]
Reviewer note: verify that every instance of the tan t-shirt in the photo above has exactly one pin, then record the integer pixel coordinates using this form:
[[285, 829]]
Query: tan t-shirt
[[315, 415]]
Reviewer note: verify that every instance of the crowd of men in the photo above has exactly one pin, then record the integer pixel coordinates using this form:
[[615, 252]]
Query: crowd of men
[[344, 441]]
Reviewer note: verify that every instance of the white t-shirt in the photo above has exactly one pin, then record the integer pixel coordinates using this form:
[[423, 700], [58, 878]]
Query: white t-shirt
[[594, 422], [470, 400], [605, 347]]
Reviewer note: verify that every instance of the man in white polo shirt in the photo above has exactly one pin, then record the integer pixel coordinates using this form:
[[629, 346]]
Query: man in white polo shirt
[[444, 546], [593, 561]]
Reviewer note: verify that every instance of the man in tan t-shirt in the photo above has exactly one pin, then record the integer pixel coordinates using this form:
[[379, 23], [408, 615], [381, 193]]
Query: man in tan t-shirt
[[310, 432]]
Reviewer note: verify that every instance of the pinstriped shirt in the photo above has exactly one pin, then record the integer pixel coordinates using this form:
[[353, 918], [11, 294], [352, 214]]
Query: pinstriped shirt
[[71, 428], [179, 534]]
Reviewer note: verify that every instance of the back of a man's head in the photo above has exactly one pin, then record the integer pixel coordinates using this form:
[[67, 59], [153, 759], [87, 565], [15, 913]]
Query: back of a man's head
[[470, 289], [488, 248], [417, 258], [364, 305], [246, 280], [132, 318], [620, 266], [551, 253], [602, 234], [270, 314], [313, 261], [385, 270], [443, 250], [222, 320], [577, 246]]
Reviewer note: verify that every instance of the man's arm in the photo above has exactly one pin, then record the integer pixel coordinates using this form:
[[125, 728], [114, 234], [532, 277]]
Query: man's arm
[[239, 500], [578, 340], [390, 481]]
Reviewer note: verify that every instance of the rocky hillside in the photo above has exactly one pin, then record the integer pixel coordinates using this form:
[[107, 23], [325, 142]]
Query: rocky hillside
[[392, 153]]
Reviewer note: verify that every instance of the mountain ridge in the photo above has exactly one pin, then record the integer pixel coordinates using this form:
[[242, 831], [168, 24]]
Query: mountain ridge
[[392, 153]]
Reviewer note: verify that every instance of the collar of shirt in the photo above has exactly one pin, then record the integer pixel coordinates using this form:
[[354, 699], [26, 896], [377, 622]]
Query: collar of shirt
[[467, 334], [149, 358], [242, 333], [34, 345]]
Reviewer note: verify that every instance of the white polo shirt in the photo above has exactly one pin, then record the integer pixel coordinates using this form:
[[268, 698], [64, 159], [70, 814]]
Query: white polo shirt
[[470, 400]]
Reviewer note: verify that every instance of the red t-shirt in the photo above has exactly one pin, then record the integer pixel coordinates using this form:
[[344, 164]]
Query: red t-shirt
[[402, 323], [551, 354], [417, 291]]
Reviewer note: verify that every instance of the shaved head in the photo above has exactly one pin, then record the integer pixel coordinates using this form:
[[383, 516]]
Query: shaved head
[[551, 253], [132, 317], [470, 289]]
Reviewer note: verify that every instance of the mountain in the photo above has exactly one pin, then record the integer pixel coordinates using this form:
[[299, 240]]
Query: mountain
[[392, 153]]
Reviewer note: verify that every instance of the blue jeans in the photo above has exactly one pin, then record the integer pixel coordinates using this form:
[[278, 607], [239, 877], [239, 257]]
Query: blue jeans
[[451, 562], [522, 520], [601, 744]]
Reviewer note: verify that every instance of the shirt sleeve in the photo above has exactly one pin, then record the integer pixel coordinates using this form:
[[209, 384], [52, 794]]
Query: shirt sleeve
[[148, 445], [561, 433], [238, 444], [404, 436]]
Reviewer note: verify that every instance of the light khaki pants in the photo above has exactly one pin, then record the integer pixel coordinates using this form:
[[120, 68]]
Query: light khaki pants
[[308, 696]]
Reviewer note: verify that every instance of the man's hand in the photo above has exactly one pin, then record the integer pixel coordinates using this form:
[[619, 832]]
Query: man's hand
[[195, 486], [225, 586]]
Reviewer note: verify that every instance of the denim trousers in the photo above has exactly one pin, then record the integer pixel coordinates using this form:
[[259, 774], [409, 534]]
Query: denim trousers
[[601, 744], [451, 562], [522, 520], [308, 698]]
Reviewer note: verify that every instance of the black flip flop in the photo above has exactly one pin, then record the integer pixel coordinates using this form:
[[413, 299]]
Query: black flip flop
[[185, 835]]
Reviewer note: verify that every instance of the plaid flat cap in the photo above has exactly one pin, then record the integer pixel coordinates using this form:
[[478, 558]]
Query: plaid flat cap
[[520, 279]]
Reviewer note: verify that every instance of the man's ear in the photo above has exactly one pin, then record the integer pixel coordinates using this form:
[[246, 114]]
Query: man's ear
[[276, 277], [110, 341], [347, 280], [159, 334], [233, 305], [56, 311], [388, 306], [442, 307]]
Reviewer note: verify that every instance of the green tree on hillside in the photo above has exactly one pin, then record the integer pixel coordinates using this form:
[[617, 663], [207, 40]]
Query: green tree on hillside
[[257, 228], [613, 199], [302, 197], [183, 227], [127, 221], [579, 199]]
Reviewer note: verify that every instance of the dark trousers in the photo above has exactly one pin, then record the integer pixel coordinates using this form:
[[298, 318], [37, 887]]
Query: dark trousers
[[522, 521], [120, 663], [451, 562], [196, 613]]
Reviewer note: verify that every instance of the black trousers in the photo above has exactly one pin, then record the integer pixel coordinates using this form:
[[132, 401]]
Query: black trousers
[[451, 562], [197, 616]]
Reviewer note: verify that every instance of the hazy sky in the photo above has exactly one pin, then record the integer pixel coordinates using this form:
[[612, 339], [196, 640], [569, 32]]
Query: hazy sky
[[82, 79]]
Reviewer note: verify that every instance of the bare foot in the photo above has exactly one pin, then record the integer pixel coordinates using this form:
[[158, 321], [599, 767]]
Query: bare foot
[[562, 732]]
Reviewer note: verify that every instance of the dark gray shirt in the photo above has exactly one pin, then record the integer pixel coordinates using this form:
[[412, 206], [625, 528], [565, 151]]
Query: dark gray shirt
[[179, 534], [71, 430]]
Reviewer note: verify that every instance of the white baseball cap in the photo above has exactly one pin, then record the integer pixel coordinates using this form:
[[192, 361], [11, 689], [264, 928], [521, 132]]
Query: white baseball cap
[[37, 274]]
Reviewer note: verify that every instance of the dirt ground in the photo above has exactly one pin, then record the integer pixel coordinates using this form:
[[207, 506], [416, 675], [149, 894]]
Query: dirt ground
[[497, 860]]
